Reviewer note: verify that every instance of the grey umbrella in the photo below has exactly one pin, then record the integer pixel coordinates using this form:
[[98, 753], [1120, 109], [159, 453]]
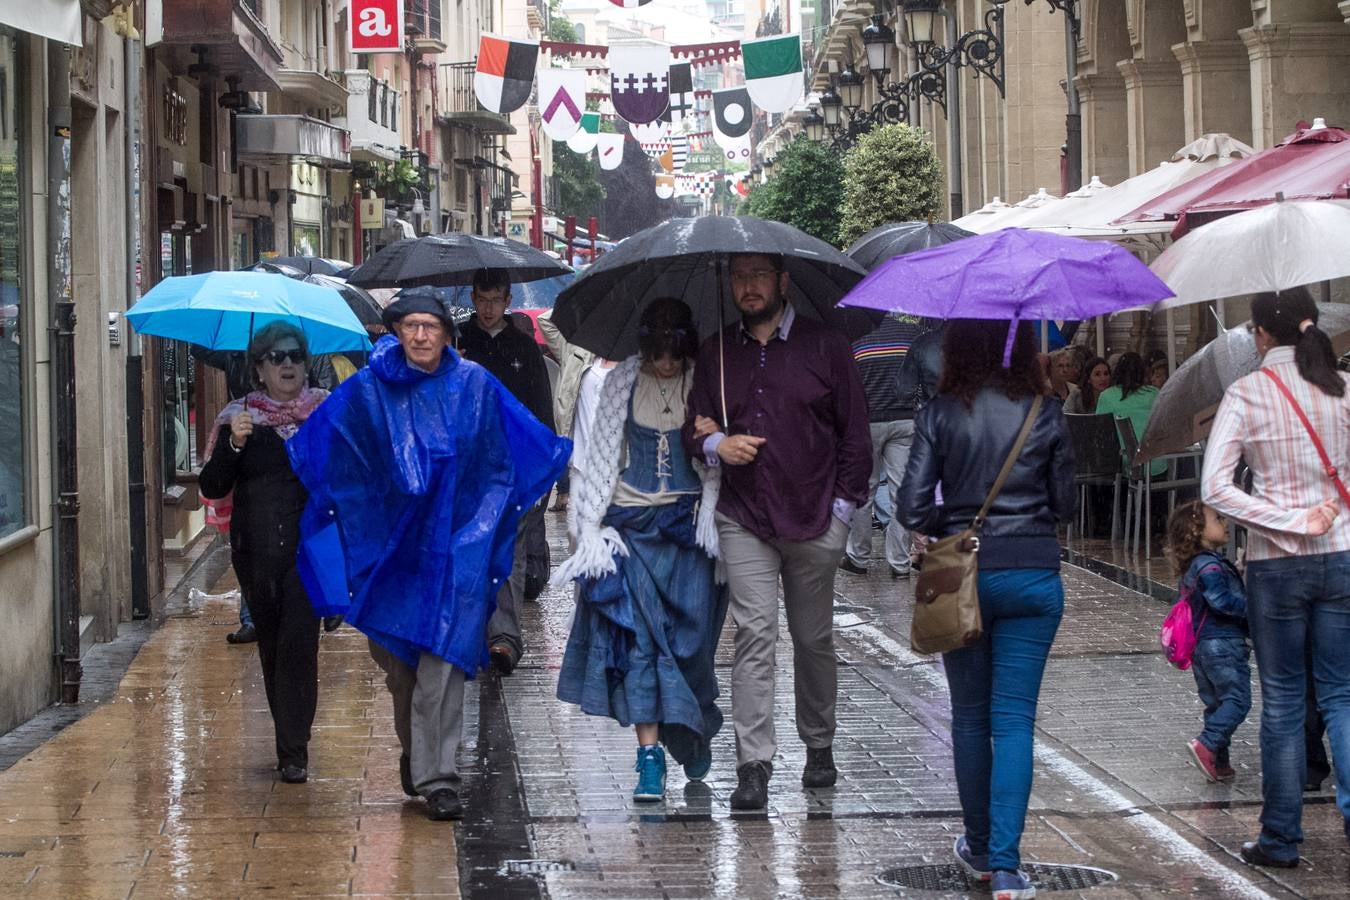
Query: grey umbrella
[[898, 238], [1187, 404]]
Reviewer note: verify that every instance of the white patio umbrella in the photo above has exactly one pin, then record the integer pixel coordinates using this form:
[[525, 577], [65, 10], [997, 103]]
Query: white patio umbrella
[[1009, 218], [1091, 216], [1270, 248], [993, 208]]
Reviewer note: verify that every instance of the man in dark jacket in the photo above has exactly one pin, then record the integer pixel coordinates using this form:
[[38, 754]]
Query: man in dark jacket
[[883, 360], [787, 403], [513, 357]]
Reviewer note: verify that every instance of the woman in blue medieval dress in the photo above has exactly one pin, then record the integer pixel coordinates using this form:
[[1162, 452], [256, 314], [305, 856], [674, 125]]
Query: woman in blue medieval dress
[[648, 609]]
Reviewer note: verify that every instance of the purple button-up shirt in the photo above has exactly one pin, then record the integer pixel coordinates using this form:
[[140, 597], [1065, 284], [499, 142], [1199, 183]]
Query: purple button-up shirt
[[802, 392]]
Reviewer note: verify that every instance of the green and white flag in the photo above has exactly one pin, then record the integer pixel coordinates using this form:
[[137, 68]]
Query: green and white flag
[[583, 140], [773, 71]]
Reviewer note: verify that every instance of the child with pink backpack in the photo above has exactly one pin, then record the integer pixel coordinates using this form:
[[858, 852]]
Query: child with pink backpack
[[1207, 631]]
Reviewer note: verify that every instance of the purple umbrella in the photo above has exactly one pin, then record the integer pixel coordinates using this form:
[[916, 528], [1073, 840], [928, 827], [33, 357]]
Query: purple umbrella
[[1011, 274]]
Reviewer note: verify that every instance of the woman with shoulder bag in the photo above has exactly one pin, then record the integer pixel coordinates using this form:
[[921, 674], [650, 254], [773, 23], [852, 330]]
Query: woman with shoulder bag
[[1290, 421], [249, 483], [962, 441]]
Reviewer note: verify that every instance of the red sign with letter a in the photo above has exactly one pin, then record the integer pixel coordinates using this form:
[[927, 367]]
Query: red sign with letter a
[[377, 26]]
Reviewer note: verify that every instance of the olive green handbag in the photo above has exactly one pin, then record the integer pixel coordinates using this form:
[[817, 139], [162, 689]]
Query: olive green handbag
[[947, 597]]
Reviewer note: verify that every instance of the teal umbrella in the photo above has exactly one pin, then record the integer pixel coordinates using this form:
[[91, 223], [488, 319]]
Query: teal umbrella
[[223, 310]]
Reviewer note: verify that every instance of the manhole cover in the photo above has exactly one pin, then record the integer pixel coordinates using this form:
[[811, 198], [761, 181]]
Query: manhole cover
[[949, 877], [535, 866]]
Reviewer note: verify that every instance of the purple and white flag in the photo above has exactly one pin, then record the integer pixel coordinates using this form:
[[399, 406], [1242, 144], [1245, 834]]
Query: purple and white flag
[[639, 82], [562, 101]]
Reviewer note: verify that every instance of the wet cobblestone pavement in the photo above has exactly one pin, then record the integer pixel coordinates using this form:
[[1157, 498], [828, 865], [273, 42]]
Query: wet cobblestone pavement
[[167, 789]]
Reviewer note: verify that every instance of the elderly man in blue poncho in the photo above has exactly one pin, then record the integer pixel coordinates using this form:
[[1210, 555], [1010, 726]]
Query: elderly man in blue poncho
[[419, 468]]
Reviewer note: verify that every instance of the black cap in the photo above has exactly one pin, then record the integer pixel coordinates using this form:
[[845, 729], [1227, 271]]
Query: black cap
[[417, 300]]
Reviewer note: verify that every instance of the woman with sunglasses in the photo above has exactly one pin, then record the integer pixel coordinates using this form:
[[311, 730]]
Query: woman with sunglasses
[[648, 611], [253, 493]]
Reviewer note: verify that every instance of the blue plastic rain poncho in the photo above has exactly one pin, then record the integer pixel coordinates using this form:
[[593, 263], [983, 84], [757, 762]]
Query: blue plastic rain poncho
[[416, 483]]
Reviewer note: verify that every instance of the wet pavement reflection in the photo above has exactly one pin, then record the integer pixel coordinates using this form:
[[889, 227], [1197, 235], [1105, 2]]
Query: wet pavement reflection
[[168, 789]]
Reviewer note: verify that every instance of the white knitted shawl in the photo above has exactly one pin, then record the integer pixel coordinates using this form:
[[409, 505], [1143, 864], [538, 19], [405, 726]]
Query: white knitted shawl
[[597, 544]]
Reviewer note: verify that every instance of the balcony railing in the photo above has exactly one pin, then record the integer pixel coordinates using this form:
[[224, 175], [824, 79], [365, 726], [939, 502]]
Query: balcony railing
[[424, 18], [457, 105]]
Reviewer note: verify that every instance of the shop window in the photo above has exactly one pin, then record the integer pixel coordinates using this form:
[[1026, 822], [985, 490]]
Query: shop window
[[13, 477]]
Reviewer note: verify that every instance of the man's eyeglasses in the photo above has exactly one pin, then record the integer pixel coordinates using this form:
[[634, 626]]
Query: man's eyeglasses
[[756, 275], [430, 328], [277, 357]]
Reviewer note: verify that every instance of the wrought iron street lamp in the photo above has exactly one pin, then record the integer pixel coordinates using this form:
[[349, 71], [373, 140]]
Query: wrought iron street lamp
[[922, 20], [851, 87], [813, 123], [831, 107], [878, 39], [980, 49]]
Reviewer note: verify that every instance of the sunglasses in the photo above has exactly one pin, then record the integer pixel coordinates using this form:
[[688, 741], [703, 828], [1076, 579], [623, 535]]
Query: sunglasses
[[277, 357]]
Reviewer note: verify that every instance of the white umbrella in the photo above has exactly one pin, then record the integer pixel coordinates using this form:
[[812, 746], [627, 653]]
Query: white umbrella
[[1270, 248], [1007, 218], [973, 222], [1091, 217]]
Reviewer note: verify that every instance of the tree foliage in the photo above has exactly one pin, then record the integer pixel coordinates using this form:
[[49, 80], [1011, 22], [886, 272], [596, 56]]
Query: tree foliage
[[804, 192], [892, 174], [579, 191], [560, 28]]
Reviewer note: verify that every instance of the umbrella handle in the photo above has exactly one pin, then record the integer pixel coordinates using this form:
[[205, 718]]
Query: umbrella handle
[[721, 350], [1008, 344]]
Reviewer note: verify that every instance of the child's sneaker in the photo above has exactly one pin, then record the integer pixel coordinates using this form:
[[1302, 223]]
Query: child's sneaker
[[976, 867], [1012, 886], [1204, 759], [651, 769]]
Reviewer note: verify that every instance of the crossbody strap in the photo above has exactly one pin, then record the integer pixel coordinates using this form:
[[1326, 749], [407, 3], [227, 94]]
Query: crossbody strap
[[1008, 463], [1317, 441]]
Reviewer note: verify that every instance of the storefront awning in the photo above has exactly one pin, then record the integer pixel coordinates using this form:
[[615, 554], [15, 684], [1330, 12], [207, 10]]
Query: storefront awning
[[56, 20], [279, 137]]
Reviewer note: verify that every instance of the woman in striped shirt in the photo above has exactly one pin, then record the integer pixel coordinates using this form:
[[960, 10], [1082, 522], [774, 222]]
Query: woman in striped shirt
[[1298, 553]]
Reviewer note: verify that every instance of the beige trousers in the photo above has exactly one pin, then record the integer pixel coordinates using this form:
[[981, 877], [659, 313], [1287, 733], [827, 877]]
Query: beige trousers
[[806, 570]]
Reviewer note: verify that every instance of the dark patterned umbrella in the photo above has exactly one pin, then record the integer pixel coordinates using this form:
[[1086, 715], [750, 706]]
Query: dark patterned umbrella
[[444, 260], [307, 265], [358, 299], [687, 258], [898, 238]]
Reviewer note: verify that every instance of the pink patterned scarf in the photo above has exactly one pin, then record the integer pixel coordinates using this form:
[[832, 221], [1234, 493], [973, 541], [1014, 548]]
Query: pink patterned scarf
[[285, 418]]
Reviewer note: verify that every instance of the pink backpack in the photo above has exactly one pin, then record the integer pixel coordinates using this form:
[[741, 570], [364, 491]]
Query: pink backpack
[[1179, 631]]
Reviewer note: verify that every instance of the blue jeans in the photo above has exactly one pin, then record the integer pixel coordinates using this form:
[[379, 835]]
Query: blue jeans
[[1224, 681], [1295, 605], [994, 686]]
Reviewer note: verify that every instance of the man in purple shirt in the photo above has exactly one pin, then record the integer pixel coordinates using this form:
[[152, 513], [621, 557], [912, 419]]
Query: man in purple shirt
[[796, 455]]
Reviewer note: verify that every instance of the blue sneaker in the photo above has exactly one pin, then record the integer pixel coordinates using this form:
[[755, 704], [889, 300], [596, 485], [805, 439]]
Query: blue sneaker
[[697, 768], [651, 769], [1012, 886], [976, 867]]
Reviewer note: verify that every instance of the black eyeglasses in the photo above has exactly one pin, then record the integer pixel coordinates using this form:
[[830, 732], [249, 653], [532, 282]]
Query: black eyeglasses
[[277, 357]]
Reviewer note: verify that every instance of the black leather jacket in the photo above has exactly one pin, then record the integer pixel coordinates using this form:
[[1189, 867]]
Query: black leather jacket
[[963, 450]]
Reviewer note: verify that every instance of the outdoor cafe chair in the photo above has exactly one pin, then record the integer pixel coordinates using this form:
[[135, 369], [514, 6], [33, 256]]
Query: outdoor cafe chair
[[1141, 484], [1096, 461]]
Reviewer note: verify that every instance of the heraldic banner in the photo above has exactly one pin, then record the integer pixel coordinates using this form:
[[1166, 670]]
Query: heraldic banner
[[505, 72], [639, 82]]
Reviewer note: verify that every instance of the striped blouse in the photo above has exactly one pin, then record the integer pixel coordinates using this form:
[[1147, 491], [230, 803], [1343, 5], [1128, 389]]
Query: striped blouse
[[1256, 422]]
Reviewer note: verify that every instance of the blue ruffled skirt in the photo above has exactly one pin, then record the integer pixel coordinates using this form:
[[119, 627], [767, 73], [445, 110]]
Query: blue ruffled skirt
[[642, 642]]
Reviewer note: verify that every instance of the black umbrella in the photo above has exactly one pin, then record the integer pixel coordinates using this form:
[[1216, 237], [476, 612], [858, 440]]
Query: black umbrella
[[687, 258], [358, 299], [308, 265], [898, 238], [444, 260]]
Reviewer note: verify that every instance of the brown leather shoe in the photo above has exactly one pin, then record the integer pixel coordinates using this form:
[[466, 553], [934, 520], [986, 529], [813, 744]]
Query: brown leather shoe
[[503, 658]]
